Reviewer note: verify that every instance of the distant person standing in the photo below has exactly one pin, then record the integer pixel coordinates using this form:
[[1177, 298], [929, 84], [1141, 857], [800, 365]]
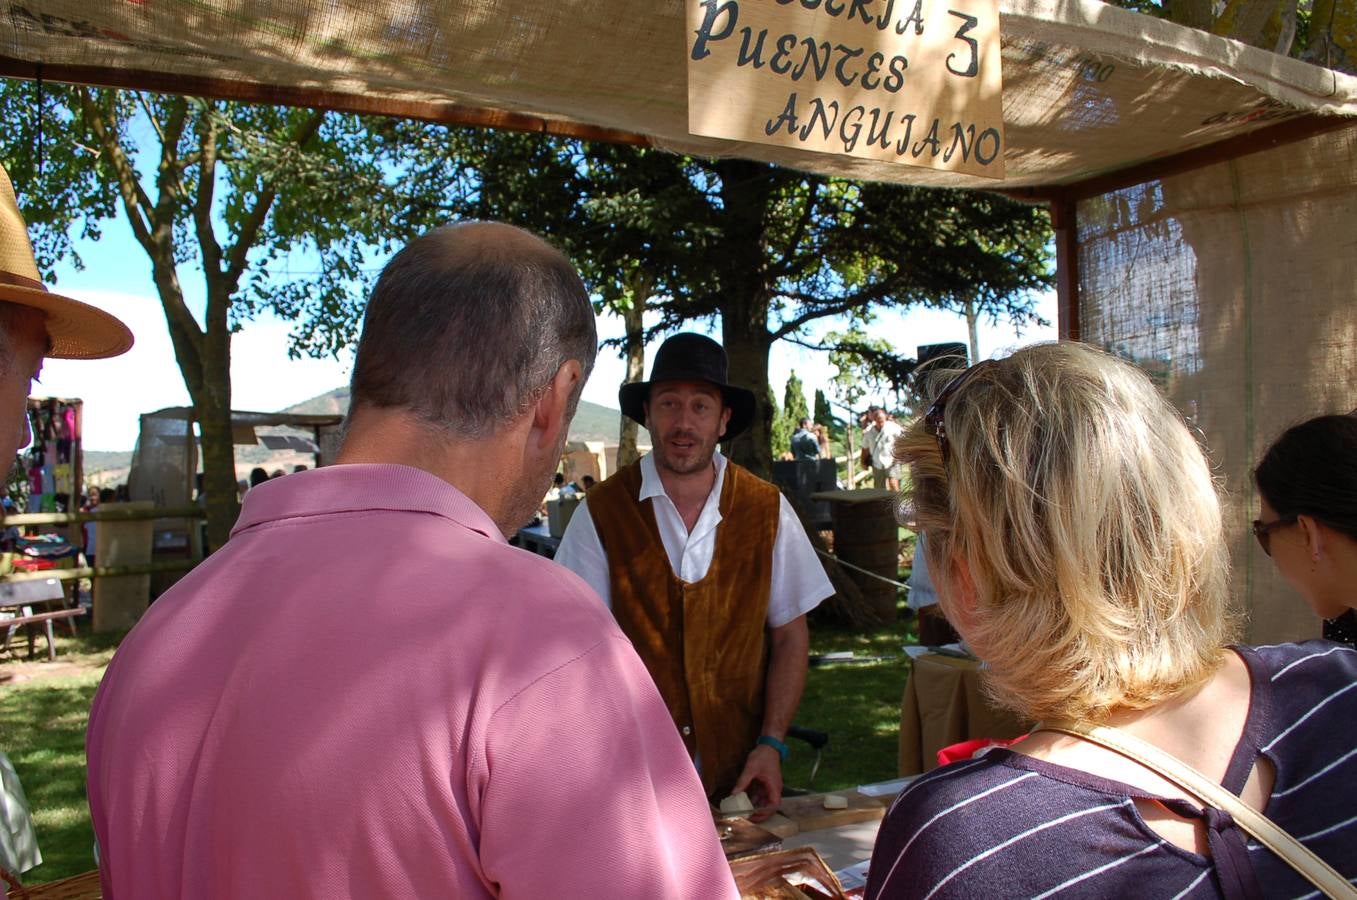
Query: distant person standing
[[803, 443], [822, 441], [87, 528], [106, 495], [880, 449], [258, 476]]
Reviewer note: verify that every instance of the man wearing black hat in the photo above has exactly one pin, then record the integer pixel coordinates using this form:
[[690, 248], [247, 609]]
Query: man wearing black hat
[[707, 569]]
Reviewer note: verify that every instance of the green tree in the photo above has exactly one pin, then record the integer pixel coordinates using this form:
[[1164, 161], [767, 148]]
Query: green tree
[[226, 189], [780, 431], [766, 251], [788, 249], [823, 414], [1323, 32], [794, 400]]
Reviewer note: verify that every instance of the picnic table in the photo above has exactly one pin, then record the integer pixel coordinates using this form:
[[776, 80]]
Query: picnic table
[[29, 604]]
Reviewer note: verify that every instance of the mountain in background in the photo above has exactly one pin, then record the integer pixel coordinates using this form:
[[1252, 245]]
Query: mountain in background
[[592, 423]]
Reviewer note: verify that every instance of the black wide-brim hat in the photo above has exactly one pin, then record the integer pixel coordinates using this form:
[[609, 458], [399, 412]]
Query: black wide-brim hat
[[691, 357]]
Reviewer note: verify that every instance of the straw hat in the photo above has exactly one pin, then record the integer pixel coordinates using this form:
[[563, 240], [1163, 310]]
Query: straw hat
[[76, 330]]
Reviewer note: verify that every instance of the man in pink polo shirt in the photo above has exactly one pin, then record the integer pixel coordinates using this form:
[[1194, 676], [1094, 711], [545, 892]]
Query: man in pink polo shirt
[[367, 692]]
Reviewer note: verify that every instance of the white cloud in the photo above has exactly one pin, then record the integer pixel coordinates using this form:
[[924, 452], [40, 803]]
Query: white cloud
[[906, 331], [146, 378]]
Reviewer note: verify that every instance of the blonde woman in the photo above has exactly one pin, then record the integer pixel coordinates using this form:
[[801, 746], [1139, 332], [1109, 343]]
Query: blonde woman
[[1075, 538]]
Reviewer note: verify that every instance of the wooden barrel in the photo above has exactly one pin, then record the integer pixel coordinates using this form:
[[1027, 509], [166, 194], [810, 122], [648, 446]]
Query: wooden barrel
[[866, 535]]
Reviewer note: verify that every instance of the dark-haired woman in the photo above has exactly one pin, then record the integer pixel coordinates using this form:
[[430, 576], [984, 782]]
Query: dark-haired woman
[[1307, 516]]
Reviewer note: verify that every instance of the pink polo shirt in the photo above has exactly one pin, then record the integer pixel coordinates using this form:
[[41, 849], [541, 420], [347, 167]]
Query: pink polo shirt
[[368, 693]]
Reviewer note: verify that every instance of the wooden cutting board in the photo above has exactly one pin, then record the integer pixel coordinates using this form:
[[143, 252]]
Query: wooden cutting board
[[809, 813]]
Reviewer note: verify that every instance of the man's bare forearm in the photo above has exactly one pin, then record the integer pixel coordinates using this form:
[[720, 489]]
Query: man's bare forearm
[[786, 676]]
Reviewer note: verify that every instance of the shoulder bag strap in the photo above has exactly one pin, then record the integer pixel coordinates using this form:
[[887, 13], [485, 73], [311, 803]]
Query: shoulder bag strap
[[1296, 854]]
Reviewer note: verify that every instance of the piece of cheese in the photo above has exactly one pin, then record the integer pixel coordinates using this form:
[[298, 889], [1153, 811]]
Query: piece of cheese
[[736, 804], [835, 801]]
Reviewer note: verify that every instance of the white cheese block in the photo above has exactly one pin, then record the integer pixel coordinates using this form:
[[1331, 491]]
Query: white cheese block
[[736, 804]]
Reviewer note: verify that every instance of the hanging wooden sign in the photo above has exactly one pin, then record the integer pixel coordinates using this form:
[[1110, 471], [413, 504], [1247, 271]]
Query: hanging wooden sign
[[911, 81]]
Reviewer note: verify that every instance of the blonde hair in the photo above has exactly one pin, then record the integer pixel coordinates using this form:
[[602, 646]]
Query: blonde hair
[[1088, 520]]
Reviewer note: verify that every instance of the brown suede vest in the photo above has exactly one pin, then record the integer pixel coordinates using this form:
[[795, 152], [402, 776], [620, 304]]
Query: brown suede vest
[[705, 643]]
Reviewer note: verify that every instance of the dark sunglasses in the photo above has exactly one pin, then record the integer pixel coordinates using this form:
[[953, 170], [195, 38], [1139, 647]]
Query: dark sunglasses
[[1263, 531], [934, 419]]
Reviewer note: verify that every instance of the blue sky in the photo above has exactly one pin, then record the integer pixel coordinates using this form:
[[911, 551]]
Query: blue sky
[[115, 392]]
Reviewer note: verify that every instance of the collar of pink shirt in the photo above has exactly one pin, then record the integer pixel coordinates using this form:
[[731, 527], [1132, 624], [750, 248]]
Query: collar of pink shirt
[[361, 487]]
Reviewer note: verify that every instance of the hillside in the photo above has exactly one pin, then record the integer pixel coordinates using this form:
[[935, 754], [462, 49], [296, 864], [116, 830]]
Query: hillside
[[593, 422]]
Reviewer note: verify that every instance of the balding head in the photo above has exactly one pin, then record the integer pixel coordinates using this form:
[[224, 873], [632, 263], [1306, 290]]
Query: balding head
[[468, 324]]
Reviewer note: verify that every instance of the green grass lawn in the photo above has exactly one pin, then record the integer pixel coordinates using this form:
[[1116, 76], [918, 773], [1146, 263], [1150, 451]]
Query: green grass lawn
[[42, 728], [857, 704]]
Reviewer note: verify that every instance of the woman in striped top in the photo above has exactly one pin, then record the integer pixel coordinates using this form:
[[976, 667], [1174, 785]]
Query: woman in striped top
[[1075, 537]]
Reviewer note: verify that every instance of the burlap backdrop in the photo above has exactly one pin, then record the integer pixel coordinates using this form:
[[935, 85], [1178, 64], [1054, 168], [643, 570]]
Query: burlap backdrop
[[1234, 287], [1088, 88]]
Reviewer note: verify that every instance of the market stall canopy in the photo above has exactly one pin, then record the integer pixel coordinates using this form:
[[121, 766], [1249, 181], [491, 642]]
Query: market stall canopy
[[1088, 89]]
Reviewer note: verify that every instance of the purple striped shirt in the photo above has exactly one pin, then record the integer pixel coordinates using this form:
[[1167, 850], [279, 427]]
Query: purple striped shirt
[[1007, 825]]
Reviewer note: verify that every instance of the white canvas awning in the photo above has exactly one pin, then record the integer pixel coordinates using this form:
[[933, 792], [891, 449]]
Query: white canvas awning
[[1088, 89]]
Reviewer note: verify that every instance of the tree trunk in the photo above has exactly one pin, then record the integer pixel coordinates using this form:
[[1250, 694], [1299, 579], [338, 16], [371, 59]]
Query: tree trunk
[[636, 366], [972, 329], [748, 349], [1192, 13], [212, 408], [219, 465], [746, 189]]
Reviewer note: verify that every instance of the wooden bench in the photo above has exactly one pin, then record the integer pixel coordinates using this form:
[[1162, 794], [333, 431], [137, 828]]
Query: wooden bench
[[33, 618]]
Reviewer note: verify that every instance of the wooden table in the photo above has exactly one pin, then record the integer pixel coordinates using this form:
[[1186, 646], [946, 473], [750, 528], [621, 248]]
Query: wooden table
[[943, 705], [30, 603]]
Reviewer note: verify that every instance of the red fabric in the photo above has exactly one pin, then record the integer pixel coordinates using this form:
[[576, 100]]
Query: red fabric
[[32, 564], [971, 749]]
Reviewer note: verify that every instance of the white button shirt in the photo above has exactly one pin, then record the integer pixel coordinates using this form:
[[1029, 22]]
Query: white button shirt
[[799, 582], [881, 443]]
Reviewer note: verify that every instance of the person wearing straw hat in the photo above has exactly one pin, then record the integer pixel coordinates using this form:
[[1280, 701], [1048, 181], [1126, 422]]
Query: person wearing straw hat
[[36, 323], [708, 571]]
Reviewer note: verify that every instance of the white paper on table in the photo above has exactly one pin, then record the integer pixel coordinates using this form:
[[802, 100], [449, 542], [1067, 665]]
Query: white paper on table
[[886, 788], [853, 876]]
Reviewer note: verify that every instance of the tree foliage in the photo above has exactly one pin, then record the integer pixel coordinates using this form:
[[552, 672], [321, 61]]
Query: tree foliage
[[794, 400], [1322, 32], [823, 414], [766, 251], [222, 192], [781, 428]]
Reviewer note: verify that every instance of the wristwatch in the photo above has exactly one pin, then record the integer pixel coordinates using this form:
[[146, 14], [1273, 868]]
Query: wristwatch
[[769, 741]]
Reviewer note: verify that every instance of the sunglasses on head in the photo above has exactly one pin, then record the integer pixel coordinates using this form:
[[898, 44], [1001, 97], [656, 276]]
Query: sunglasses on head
[[934, 419], [1263, 531]]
